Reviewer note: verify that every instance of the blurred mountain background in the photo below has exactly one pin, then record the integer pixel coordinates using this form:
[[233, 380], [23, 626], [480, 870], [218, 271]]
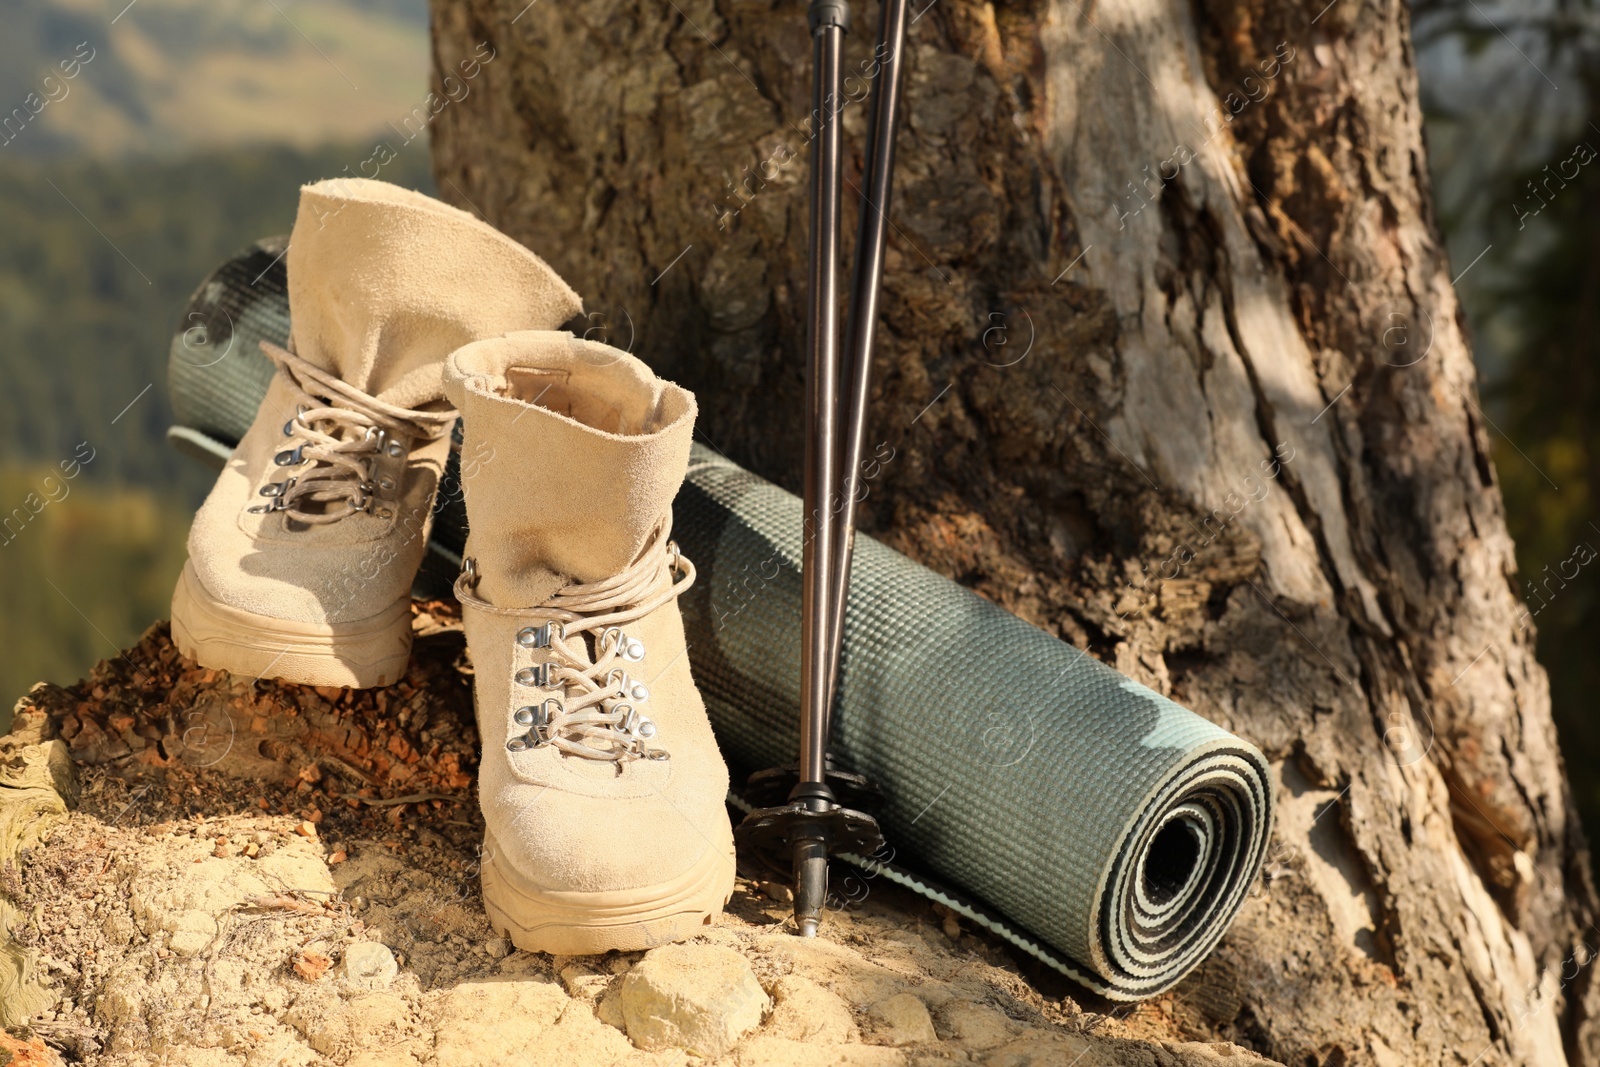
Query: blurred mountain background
[[189, 125], [184, 133]]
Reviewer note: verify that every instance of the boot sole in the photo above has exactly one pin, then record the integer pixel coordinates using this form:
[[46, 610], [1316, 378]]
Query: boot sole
[[588, 924], [363, 654]]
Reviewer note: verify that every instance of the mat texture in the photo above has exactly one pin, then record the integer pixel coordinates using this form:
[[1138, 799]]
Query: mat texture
[[1085, 818]]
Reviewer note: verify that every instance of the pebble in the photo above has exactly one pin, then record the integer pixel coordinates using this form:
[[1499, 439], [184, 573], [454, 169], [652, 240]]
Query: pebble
[[497, 948], [370, 965], [903, 1020], [701, 998]]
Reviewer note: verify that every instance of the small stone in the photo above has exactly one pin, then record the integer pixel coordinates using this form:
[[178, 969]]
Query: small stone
[[806, 1011], [497, 948], [975, 1025], [338, 857], [701, 998], [582, 983], [903, 1020], [370, 965], [305, 829], [777, 891], [252, 850], [952, 928]]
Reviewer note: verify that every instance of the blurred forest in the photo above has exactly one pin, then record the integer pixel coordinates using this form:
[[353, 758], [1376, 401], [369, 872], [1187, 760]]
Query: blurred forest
[[189, 131]]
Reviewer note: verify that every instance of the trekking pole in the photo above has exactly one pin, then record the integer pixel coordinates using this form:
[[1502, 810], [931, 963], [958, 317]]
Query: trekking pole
[[829, 21], [797, 836]]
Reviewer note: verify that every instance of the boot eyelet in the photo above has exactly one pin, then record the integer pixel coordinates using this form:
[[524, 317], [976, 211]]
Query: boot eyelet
[[629, 648], [539, 636], [646, 729], [518, 744], [394, 450], [627, 688], [289, 457], [542, 676], [276, 489], [525, 715], [385, 513], [386, 484]]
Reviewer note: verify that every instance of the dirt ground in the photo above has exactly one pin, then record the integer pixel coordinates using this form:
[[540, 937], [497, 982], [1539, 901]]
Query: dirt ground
[[253, 873]]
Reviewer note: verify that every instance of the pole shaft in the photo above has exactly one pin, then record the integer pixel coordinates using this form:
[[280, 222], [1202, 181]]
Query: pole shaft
[[871, 237], [822, 415]]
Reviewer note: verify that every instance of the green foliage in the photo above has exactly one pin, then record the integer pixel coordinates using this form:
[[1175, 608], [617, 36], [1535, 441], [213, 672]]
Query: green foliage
[[97, 263], [1550, 460], [85, 568]]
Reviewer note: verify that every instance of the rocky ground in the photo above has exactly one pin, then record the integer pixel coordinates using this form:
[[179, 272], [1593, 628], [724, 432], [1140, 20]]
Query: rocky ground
[[205, 870]]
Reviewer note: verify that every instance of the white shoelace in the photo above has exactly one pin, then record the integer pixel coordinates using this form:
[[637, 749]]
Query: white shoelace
[[597, 715], [341, 432]]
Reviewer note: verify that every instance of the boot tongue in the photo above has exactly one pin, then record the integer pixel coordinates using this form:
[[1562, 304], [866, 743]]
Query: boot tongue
[[384, 283], [573, 455]]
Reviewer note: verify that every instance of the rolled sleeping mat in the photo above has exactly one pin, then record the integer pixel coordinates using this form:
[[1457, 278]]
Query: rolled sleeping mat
[[1085, 818]]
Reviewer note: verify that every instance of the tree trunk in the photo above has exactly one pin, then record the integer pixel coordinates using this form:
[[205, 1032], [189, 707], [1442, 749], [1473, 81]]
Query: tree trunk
[[1172, 367]]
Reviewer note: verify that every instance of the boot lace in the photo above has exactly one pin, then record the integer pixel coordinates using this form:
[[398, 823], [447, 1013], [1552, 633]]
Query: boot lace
[[341, 433], [597, 714]]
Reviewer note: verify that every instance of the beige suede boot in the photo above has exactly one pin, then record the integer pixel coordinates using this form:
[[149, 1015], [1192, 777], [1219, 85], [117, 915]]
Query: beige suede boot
[[601, 784], [302, 557]]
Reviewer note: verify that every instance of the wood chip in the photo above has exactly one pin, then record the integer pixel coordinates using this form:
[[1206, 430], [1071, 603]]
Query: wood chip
[[306, 829], [312, 965]]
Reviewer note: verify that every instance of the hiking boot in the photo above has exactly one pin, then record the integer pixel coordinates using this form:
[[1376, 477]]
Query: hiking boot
[[301, 559], [601, 784]]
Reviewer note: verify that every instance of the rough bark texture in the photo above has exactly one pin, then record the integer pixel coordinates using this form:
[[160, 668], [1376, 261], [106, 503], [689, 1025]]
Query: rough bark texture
[[1172, 366]]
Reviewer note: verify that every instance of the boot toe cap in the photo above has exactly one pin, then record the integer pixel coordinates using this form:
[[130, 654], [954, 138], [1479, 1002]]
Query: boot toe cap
[[562, 842]]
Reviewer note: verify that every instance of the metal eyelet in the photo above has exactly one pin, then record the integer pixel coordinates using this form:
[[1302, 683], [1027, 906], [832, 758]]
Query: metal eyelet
[[539, 636], [542, 675], [386, 484], [278, 488], [385, 513], [635, 722], [537, 717], [395, 450], [629, 648], [518, 744], [626, 687], [290, 457]]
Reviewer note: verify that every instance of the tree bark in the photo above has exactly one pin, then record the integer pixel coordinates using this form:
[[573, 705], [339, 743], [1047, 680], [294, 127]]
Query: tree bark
[[1172, 367]]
